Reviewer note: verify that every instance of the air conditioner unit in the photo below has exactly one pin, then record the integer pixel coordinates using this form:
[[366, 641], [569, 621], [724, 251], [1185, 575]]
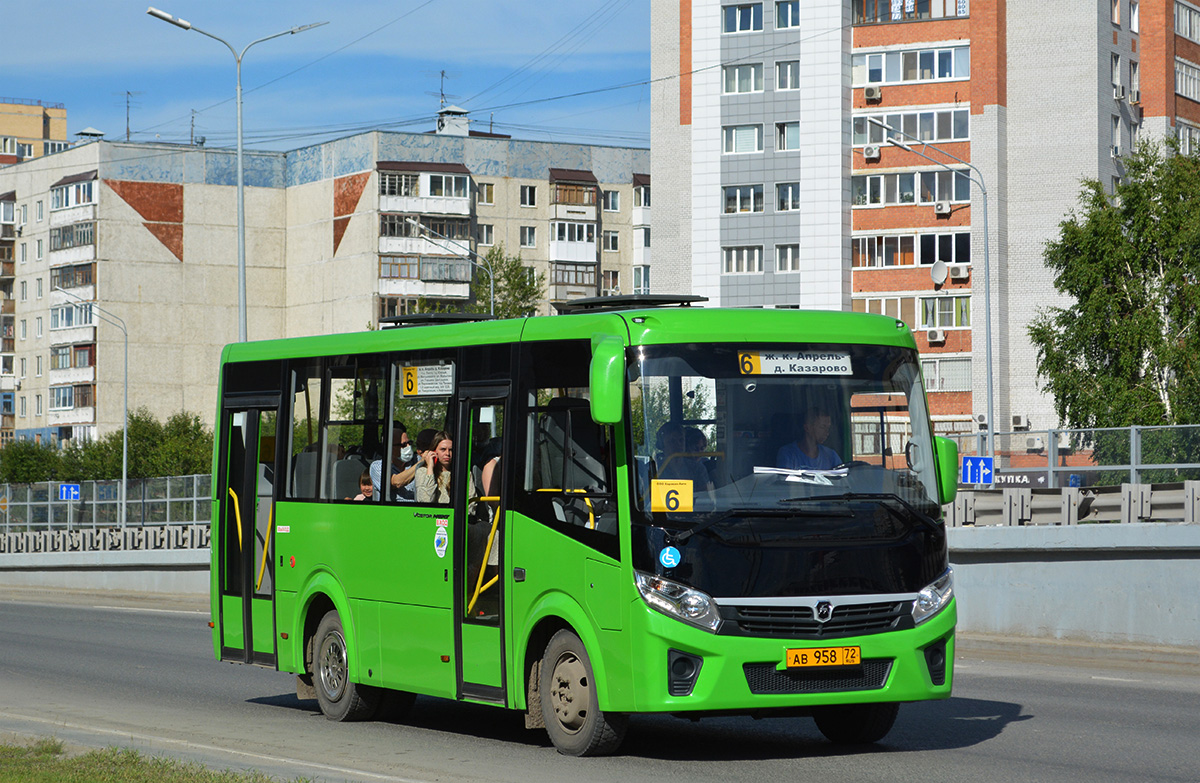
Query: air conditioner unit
[[1034, 443], [871, 152], [1064, 441], [1020, 422], [1118, 92], [958, 271], [611, 292], [981, 420], [1115, 150], [1135, 97], [941, 208], [936, 336], [873, 93]]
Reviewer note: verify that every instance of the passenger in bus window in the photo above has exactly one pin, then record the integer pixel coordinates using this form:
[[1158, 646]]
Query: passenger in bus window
[[810, 451], [433, 475], [366, 486], [404, 466]]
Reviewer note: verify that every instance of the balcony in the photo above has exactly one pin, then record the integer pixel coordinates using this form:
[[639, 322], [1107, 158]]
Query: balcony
[[72, 375], [426, 205], [7, 269], [72, 416], [579, 252], [436, 277], [8, 306]]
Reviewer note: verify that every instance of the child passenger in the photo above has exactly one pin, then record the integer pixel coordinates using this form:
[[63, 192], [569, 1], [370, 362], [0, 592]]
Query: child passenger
[[365, 486]]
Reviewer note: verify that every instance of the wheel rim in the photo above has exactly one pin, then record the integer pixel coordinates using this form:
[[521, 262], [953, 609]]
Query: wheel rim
[[570, 692], [331, 665]]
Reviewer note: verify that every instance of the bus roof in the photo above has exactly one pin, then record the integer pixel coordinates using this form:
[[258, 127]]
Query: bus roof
[[640, 326]]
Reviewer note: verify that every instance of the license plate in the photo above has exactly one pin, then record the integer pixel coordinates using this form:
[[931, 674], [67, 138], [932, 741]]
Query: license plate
[[806, 657]]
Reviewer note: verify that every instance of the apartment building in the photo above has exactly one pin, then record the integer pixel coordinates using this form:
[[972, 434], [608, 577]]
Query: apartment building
[[821, 154], [30, 129], [109, 236]]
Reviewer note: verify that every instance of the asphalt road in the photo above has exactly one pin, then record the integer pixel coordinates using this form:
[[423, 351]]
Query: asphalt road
[[95, 676]]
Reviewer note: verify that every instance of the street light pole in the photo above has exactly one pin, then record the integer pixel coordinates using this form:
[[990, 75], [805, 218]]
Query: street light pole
[[892, 133], [485, 266], [241, 198], [120, 324]]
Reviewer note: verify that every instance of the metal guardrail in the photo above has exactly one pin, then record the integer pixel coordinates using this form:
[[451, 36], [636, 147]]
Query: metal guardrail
[[169, 501], [1049, 459], [1122, 504]]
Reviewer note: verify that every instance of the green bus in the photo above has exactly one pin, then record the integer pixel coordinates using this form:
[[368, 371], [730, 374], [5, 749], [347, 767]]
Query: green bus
[[641, 506]]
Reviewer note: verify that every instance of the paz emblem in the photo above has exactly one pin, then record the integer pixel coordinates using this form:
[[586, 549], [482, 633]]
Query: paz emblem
[[824, 611]]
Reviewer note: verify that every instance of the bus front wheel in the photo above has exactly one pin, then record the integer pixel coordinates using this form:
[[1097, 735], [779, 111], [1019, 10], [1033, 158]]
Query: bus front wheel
[[856, 724], [340, 699], [570, 706]]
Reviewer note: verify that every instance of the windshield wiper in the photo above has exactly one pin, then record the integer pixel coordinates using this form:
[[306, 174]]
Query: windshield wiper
[[884, 499]]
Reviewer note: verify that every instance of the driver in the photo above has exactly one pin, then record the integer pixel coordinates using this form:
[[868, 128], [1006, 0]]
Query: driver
[[810, 453]]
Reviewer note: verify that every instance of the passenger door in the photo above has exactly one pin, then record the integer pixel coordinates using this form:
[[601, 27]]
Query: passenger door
[[244, 540], [481, 442]]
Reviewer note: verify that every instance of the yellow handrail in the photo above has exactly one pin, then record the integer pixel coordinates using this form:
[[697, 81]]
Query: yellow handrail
[[237, 512], [262, 569], [591, 523], [480, 587]]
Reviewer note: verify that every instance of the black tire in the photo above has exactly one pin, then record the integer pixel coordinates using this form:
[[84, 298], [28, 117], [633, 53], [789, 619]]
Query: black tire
[[340, 699], [570, 706], [856, 724]]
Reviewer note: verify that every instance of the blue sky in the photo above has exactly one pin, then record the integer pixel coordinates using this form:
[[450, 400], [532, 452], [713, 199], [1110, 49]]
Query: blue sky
[[374, 65]]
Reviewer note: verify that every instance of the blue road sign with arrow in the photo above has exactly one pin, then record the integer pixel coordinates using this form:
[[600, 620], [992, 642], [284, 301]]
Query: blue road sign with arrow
[[976, 470]]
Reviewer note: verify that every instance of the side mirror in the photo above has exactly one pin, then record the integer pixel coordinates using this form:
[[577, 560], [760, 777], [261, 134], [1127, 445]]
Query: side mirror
[[607, 379], [947, 469]]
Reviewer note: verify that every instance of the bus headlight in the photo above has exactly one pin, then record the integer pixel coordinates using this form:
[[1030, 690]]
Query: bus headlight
[[934, 597], [678, 601]]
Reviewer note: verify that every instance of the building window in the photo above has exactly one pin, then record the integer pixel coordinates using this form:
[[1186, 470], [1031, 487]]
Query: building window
[[71, 276], [486, 193], [21, 406], [24, 214], [743, 78], [1115, 138], [641, 236], [947, 374], [611, 200], [886, 11], [1116, 70], [573, 274], [395, 184], [742, 259], [1135, 82], [41, 249], [787, 258], [943, 125], [6, 212], [641, 196], [74, 195], [787, 136], [24, 329], [1187, 22], [37, 366], [1189, 138], [743, 18], [37, 405], [24, 253], [580, 195], [913, 65], [787, 75], [1135, 22], [1187, 80], [612, 281], [741, 139], [487, 234], [448, 185], [611, 243], [69, 316], [743, 198], [56, 146], [62, 398], [529, 195], [24, 291], [925, 187], [38, 323], [75, 235], [393, 225], [1116, 11], [787, 14], [788, 196], [901, 307], [23, 367], [38, 286], [641, 279], [528, 236], [573, 232], [85, 355], [878, 251], [399, 267], [945, 312], [39, 211], [60, 357]]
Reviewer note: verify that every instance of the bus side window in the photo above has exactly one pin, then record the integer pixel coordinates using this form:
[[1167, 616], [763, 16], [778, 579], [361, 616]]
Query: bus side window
[[305, 430]]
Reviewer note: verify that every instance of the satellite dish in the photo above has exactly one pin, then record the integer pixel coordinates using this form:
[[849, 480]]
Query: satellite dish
[[938, 272]]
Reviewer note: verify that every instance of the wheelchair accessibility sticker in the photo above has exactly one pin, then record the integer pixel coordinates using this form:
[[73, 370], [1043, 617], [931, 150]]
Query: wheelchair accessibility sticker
[[669, 557]]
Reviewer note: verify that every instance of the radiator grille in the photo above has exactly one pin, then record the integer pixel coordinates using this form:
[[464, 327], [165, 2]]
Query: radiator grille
[[765, 678], [798, 622]]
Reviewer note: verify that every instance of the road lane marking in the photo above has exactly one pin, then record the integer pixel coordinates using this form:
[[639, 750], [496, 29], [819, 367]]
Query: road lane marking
[[213, 749], [145, 609], [1114, 679]]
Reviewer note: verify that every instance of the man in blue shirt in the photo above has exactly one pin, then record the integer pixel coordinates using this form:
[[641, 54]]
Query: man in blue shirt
[[810, 453]]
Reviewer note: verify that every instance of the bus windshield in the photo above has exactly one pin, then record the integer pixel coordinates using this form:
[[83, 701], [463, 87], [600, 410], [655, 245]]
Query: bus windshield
[[723, 429]]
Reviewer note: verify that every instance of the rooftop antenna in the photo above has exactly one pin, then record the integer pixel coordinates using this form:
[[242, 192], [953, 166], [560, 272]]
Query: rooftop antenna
[[128, 102], [441, 94]]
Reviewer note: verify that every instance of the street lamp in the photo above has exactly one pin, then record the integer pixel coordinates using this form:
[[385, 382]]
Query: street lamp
[[892, 133], [485, 266], [241, 202], [120, 324]]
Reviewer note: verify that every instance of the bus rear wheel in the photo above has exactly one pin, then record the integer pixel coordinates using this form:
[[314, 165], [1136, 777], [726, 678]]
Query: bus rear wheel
[[570, 706], [340, 699], [856, 724]]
